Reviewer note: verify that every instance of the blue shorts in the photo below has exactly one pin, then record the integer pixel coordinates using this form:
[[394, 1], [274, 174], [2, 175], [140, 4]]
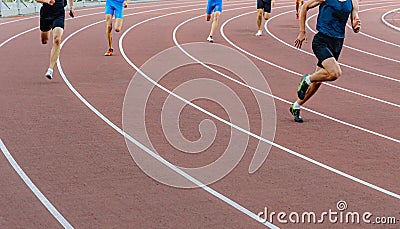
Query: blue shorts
[[214, 6], [115, 8]]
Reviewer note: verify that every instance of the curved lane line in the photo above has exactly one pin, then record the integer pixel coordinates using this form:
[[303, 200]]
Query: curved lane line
[[56, 214], [386, 22]]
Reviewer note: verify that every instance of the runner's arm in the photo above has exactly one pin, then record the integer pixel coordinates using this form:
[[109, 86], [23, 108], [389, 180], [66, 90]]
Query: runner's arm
[[355, 19], [304, 9], [71, 8], [126, 3], [303, 16]]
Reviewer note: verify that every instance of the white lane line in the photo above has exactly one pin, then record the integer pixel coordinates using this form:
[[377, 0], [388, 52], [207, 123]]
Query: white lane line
[[56, 214], [17, 20], [37, 14], [143, 147], [387, 23], [355, 49], [266, 93], [372, 186], [37, 27], [345, 65]]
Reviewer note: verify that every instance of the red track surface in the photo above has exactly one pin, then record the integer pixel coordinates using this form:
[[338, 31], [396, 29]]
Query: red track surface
[[85, 170]]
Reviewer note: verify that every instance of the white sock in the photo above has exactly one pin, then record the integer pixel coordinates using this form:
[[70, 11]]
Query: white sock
[[308, 80], [296, 105], [49, 72]]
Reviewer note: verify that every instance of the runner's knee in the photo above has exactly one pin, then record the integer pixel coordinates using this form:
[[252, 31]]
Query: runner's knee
[[109, 27], [216, 16], [44, 38], [335, 74], [316, 84], [57, 40]]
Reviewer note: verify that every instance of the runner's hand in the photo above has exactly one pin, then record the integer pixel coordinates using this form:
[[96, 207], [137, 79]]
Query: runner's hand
[[72, 12], [125, 4], [356, 24], [299, 41], [273, 3], [51, 2]]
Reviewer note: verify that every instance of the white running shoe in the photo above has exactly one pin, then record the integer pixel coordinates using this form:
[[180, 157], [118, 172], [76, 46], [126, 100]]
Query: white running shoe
[[210, 39], [259, 33], [49, 74]]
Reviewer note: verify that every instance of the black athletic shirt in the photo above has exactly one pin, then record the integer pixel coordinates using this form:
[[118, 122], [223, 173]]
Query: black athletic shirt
[[58, 5]]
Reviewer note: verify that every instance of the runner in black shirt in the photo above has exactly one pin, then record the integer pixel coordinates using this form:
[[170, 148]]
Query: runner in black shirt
[[52, 16]]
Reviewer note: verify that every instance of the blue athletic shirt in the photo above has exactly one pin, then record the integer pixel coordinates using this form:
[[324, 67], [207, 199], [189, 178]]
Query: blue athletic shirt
[[119, 1], [333, 16]]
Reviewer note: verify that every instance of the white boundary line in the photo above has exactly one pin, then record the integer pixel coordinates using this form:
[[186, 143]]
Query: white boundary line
[[143, 147], [387, 23], [56, 214], [266, 93], [397, 196]]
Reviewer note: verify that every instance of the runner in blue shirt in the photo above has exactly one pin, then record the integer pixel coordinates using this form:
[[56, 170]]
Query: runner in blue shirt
[[214, 7], [114, 7], [326, 45]]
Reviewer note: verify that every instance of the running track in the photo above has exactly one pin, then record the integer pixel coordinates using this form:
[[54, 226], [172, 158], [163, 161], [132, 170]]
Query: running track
[[82, 167]]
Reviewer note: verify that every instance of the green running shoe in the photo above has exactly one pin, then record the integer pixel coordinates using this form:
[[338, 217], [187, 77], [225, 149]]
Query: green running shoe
[[295, 113], [303, 86]]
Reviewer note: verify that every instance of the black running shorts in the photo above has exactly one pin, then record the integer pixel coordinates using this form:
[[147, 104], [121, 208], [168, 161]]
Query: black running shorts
[[51, 19], [325, 47], [265, 5]]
